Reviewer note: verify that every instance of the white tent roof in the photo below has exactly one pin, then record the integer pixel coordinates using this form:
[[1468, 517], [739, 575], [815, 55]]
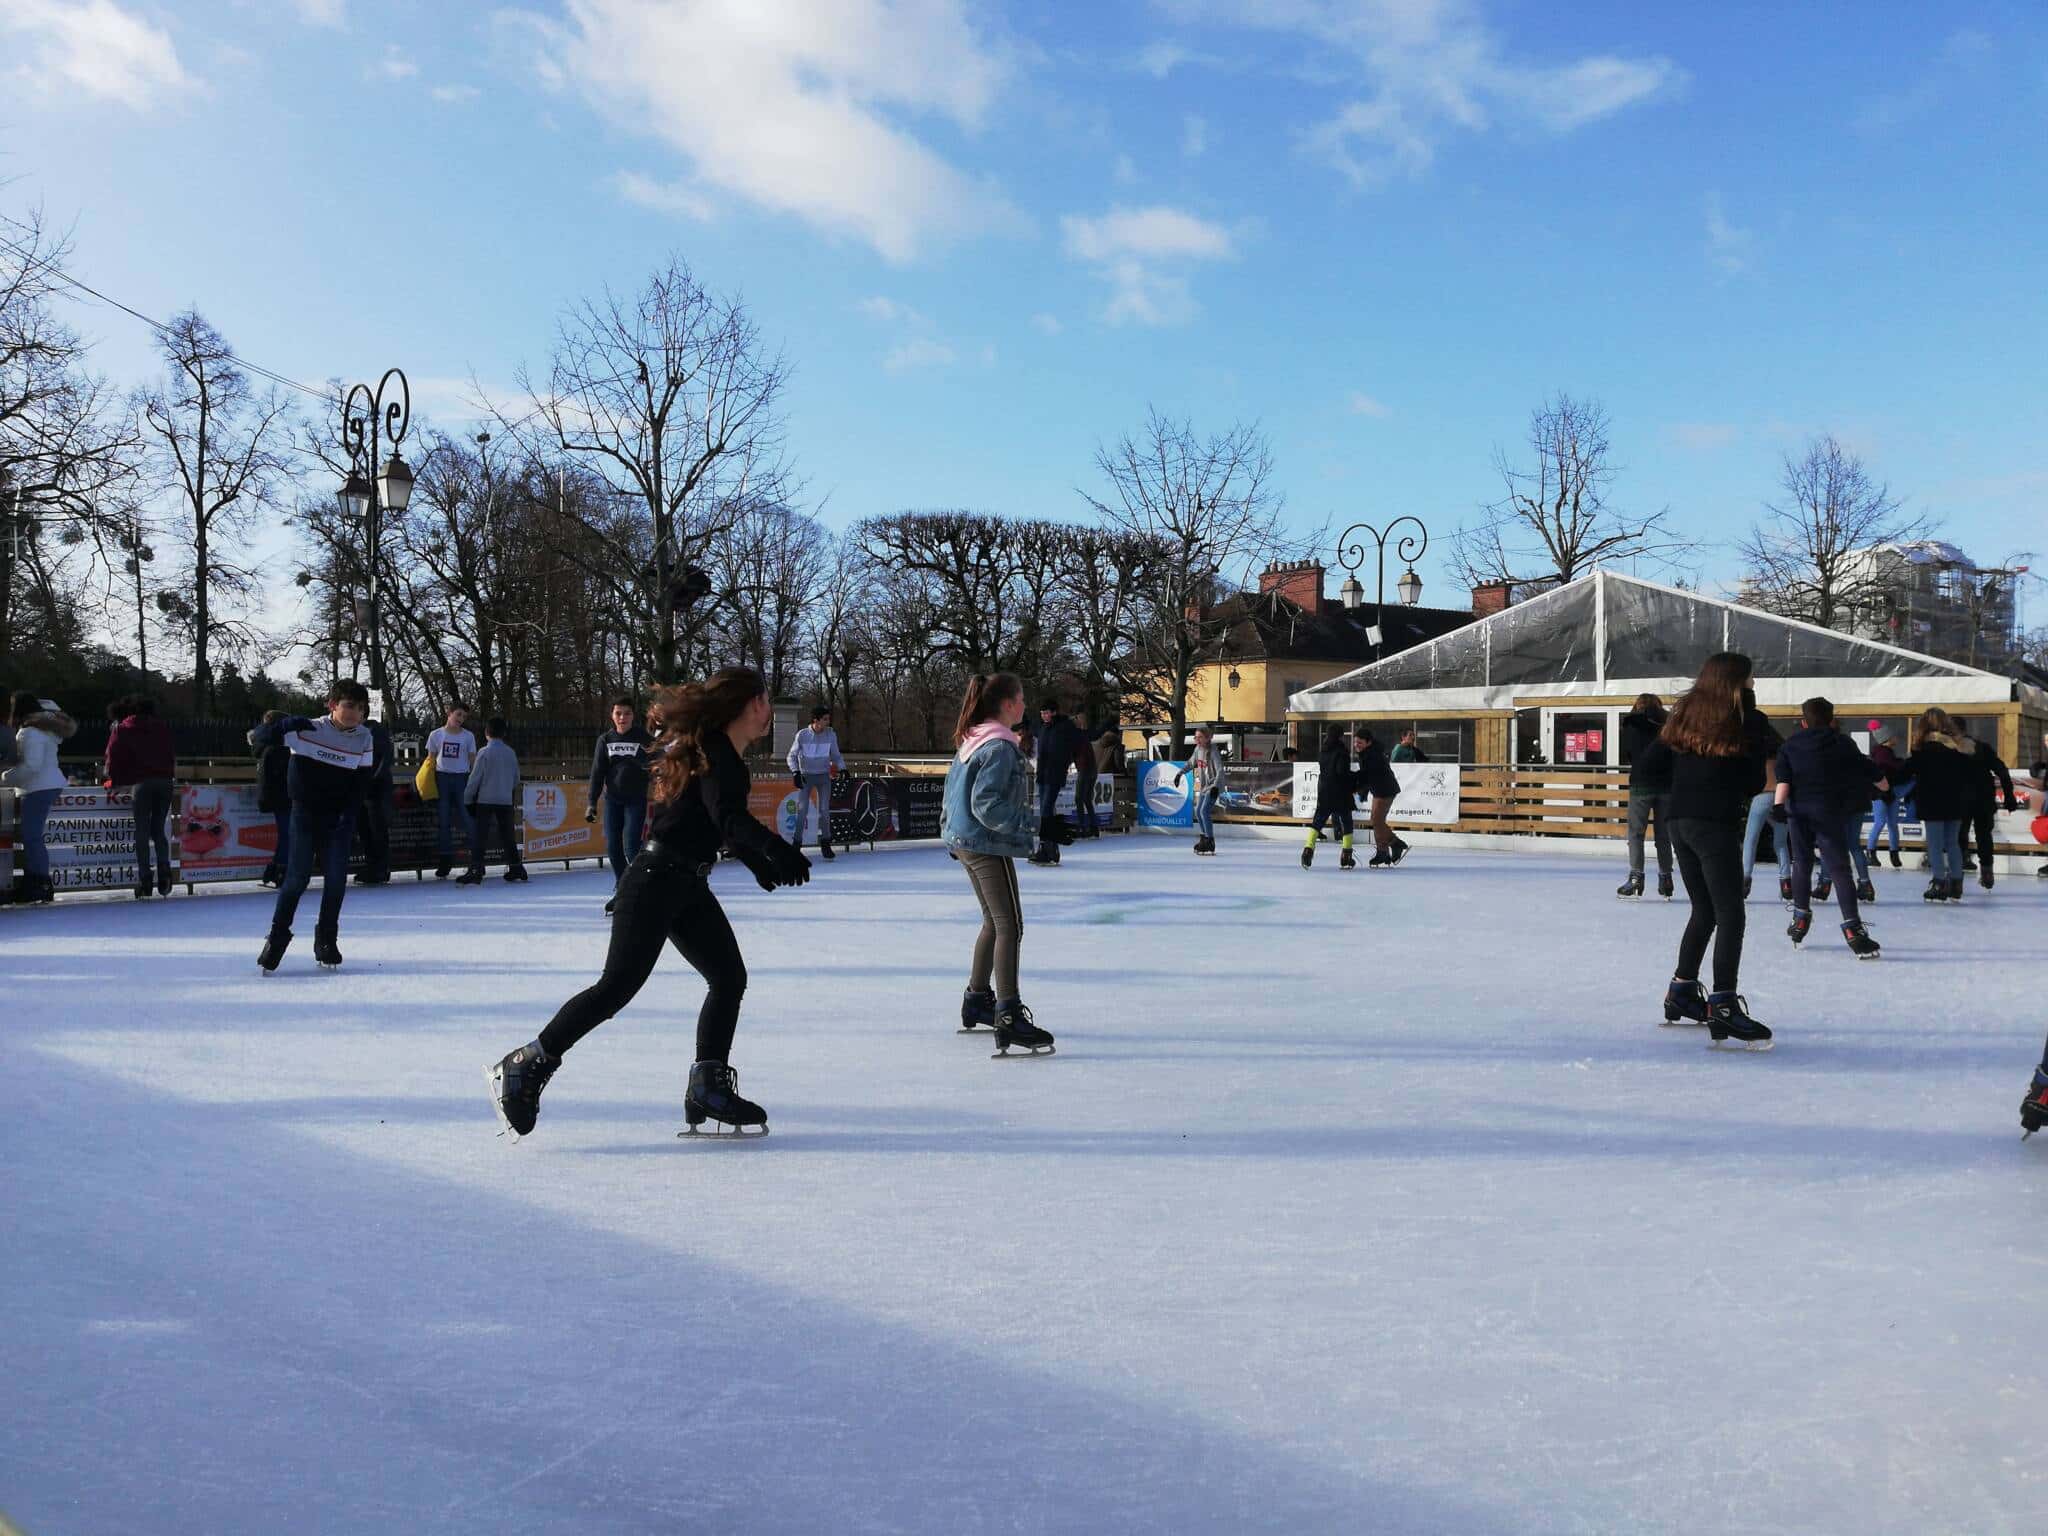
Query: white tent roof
[[1607, 634]]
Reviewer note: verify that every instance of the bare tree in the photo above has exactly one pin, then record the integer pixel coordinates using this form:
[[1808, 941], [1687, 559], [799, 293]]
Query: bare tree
[[670, 399], [1810, 556], [1105, 581], [766, 569], [1554, 520], [220, 451], [1207, 506]]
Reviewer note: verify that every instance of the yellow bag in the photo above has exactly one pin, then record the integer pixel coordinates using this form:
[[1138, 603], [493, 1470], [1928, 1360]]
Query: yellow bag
[[425, 782]]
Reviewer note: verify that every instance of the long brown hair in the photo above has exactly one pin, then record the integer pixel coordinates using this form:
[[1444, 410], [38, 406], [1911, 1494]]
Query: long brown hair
[[1936, 722], [985, 694], [1708, 721], [685, 716]]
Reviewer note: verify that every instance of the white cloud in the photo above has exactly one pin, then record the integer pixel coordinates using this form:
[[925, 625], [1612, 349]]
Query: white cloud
[[455, 95], [889, 311], [93, 48], [1703, 436], [1194, 135], [1162, 58], [395, 65], [1046, 324], [1730, 249], [1142, 254], [1429, 69], [1362, 404], [918, 352], [322, 13], [662, 196], [795, 106]]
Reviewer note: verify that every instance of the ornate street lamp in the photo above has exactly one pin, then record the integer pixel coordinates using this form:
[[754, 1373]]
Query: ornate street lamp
[[1408, 549], [370, 423]]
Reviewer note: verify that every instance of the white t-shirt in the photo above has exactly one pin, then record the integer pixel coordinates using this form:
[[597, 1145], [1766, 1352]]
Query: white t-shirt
[[452, 751]]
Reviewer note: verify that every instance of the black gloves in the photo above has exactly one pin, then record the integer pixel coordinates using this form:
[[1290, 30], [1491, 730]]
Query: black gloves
[[2011, 804], [1779, 814], [764, 875], [590, 813], [788, 865], [799, 778]]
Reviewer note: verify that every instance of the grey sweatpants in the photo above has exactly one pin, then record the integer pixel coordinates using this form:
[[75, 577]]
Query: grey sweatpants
[[1002, 923]]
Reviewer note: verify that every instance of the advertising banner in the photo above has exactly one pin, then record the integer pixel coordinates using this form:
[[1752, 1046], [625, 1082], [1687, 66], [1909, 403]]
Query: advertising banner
[[91, 839], [1259, 789], [1161, 801], [221, 834], [554, 827], [1105, 799], [1429, 793]]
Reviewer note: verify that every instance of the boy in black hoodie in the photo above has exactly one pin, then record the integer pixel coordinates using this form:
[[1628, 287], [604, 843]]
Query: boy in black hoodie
[[332, 760], [1336, 789], [1823, 783]]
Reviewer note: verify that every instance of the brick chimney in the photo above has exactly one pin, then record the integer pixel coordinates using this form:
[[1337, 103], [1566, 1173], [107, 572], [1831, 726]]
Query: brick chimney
[[1490, 597], [1299, 581]]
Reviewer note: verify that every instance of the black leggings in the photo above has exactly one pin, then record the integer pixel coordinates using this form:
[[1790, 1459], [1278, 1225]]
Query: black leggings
[[1710, 863], [660, 899]]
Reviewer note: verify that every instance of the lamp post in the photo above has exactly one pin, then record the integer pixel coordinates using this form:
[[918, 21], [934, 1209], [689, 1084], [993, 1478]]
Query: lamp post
[[370, 424], [1408, 549]]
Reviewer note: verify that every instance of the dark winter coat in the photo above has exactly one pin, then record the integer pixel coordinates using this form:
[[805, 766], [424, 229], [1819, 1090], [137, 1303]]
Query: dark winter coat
[[319, 788], [1648, 774], [1058, 741], [141, 748], [619, 766], [1995, 779], [1946, 778], [1085, 771], [273, 780], [1830, 779], [1336, 786], [712, 812], [1376, 775], [1718, 788], [1888, 763], [380, 761]]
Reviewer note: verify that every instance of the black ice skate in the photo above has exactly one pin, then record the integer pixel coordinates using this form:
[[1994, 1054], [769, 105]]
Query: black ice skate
[[1984, 876], [326, 953], [273, 949], [517, 875], [163, 882], [1045, 855], [1937, 890], [1797, 930], [1014, 1027], [2034, 1107], [825, 852], [1861, 944], [1396, 852], [1746, 882], [1894, 856], [977, 1008], [1823, 888], [1630, 889], [1308, 856], [714, 1094], [1664, 886], [1349, 860], [1685, 1002], [1207, 848], [441, 870], [1866, 890], [1785, 889], [1732, 1028], [516, 1083], [1955, 889], [1380, 860], [470, 877]]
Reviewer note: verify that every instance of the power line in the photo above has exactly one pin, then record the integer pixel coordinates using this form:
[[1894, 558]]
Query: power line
[[45, 264]]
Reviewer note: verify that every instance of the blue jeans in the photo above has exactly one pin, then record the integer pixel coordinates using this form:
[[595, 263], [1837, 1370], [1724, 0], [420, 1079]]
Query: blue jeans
[[1205, 812], [35, 818], [450, 788], [1855, 846], [816, 791], [1945, 848], [283, 857], [624, 821], [1752, 833], [329, 835], [1884, 817]]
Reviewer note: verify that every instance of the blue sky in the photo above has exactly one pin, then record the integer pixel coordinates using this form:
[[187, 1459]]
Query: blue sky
[[990, 235]]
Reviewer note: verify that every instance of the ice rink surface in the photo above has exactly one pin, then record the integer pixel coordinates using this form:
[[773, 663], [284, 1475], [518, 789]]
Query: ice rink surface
[[1369, 1202]]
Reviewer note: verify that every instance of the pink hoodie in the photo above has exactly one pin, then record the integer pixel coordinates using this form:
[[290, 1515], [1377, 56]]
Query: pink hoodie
[[984, 733]]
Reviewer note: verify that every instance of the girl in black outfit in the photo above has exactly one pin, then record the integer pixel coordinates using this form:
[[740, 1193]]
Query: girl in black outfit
[[698, 805], [1336, 789], [1716, 742]]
